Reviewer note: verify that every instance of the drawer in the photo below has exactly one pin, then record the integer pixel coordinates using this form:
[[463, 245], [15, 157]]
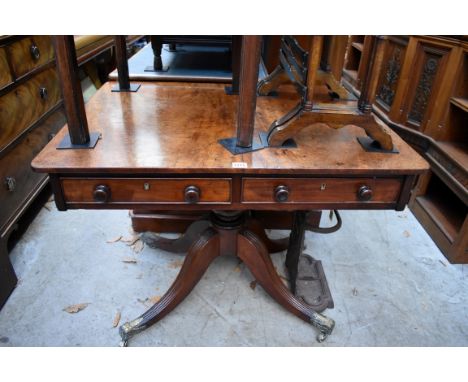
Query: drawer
[[26, 103], [147, 190], [5, 75], [18, 182], [320, 190], [30, 53]]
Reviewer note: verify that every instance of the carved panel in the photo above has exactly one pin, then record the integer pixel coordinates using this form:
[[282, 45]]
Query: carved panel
[[424, 87], [390, 74]]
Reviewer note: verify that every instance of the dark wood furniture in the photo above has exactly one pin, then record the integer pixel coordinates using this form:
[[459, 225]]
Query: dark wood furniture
[[31, 113], [301, 67], [332, 59], [422, 94], [158, 41], [159, 151]]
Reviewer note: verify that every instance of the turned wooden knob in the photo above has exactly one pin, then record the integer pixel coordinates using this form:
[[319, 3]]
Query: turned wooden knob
[[364, 193], [281, 194], [102, 193], [192, 194]]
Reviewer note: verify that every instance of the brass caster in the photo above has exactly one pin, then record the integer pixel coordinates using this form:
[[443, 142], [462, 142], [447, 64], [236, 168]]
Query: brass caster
[[324, 324], [321, 337], [129, 329]]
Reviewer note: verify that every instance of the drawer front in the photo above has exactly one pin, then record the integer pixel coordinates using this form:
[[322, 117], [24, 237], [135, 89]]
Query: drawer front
[[30, 53], [5, 75], [17, 180], [26, 103], [320, 190], [126, 190]]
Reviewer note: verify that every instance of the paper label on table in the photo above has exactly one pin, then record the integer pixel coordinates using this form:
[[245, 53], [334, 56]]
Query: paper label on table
[[239, 165]]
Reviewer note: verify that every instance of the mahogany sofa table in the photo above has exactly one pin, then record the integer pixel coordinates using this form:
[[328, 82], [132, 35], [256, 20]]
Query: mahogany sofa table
[[159, 150]]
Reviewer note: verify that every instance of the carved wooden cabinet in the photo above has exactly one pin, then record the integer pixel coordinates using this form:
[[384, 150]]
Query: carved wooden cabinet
[[356, 60], [423, 95]]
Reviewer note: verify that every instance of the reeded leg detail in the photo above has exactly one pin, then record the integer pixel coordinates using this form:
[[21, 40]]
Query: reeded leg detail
[[199, 257], [255, 256], [179, 245]]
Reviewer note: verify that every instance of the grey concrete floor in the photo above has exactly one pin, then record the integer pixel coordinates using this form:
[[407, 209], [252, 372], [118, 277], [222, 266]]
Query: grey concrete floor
[[390, 283]]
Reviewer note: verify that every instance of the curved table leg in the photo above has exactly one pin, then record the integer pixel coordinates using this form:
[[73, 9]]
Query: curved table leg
[[297, 119], [272, 82], [255, 255], [273, 245], [179, 245], [199, 257]]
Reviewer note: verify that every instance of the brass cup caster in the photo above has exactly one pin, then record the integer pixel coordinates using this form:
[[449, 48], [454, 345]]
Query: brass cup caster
[[129, 329], [324, 324]]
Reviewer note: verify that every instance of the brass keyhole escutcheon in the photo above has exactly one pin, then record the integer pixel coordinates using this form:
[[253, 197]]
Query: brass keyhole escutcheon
[[146, 186], [323, 186]]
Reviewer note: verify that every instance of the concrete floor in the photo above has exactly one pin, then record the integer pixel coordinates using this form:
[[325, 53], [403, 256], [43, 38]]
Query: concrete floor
[[390, 283]]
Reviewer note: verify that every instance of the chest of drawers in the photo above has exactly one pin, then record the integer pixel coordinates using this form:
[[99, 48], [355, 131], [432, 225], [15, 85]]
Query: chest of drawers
[[30, 114]]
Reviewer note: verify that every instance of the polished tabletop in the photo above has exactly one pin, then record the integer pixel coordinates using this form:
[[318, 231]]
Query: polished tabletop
[[175, 127]]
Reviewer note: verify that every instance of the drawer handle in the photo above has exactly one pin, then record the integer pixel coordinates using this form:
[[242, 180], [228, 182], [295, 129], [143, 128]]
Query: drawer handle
[[364, 193], [10, 183], [43, 93], [192, 194], [281, 194], [102, 193], [35, 52]]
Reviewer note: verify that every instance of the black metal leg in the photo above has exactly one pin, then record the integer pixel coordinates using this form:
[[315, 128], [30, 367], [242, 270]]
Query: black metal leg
[[296, 245], [156, 45]]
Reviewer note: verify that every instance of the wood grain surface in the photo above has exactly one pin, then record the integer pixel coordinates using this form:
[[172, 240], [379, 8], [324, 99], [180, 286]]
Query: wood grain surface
[[259, 190], [175, 128], [24, 105], [5, 75], [16, 164], [21, 58], [148, 190]]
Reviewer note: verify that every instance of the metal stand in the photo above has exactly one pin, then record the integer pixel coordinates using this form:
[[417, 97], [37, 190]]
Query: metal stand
[[66, 142], [122, 67], [131, 88]]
